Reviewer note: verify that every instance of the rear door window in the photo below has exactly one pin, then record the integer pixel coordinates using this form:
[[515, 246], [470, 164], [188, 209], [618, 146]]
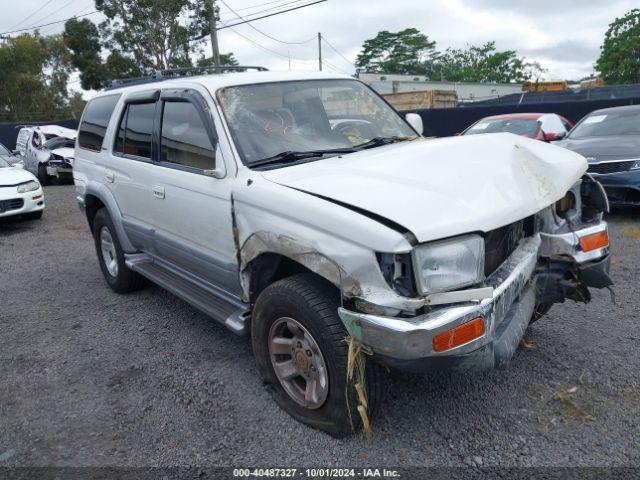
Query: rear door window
[[184, 139], [95, 122], [135, 130]]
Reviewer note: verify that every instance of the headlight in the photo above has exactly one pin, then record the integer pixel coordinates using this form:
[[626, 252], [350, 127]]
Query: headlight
[[449, 264], [28, 187]]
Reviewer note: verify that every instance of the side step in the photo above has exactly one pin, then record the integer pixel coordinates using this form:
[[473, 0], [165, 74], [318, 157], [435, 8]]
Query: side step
[[216, 303]]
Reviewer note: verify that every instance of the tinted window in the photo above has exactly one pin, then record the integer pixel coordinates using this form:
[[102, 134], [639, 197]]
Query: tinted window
[[184, 137], [608, 123], [95, 121], [134, 131]]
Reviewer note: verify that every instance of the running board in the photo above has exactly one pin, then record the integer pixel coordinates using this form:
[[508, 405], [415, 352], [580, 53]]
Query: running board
[[216, 303]]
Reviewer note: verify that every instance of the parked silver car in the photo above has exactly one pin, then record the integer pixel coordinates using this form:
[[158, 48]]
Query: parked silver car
[[303, 210], [47, 151]]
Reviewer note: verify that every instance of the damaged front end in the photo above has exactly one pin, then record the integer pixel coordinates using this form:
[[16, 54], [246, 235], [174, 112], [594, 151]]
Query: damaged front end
[[574, 253], [59, 166], [546, 258]]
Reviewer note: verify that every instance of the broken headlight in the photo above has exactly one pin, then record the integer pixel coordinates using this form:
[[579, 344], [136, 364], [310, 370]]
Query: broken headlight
[[449, 264]]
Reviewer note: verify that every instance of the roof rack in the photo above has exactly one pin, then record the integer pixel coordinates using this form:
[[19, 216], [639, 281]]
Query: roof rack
[[160, 75]]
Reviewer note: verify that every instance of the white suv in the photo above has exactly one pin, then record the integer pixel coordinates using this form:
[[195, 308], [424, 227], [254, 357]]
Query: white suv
[[303, 210]]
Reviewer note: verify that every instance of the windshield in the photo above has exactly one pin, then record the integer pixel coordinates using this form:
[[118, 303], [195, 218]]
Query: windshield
[[4, 150], [527, 127], [269, 119], [3, 163], [608, 124], [59, 142]]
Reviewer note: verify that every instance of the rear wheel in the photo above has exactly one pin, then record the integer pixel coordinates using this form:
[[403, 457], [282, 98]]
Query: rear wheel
[[301, 350], [120, 278]]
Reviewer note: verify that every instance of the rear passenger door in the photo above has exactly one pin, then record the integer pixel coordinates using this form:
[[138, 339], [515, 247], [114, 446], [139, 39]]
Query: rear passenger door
[[192, 208], [129, 173]]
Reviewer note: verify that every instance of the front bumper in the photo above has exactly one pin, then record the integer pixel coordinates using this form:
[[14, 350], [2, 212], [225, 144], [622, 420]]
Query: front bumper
[[13, 203], [623, 188], [407, 343]]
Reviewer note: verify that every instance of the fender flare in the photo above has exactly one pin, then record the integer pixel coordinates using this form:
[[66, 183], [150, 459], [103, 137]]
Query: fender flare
[[102, 193]]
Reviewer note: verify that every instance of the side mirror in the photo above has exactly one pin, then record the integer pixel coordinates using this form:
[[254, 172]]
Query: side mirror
[[15, 152], [415, 121], [552, 137]]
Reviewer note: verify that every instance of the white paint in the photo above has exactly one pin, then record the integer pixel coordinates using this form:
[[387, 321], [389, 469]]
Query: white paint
[[445, 187]]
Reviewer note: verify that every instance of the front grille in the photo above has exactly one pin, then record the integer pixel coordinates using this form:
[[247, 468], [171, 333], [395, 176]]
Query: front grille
[[12, 204], [610, 167], [500, 243]]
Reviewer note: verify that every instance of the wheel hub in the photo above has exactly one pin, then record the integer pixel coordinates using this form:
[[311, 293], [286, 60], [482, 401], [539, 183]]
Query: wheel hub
[[298, 363]]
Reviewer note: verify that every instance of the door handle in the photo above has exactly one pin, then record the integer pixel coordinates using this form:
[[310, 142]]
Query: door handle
[[110, 176], [158, 191]]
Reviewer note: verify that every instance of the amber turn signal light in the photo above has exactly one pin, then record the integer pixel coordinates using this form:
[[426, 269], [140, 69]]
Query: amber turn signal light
[[459, 336], [594, 241]]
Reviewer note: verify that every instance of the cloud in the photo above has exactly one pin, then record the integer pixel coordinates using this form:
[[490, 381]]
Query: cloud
[[563, 36]]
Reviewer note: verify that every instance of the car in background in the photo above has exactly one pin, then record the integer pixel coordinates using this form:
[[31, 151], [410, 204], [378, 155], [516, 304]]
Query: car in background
[[20, 192], [610, 141], [540, 126], [8, 156], [47, 151]]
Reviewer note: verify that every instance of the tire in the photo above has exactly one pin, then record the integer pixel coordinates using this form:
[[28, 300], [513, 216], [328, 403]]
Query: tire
[[120, 278], [540, 311], [34, 215], [43, 178], [312, 303]]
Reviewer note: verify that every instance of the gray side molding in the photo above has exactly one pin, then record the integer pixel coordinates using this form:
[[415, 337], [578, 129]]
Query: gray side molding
[[101, 192]]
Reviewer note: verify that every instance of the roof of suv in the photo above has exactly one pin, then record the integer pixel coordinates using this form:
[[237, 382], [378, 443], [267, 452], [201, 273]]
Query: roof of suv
[[215, 81]]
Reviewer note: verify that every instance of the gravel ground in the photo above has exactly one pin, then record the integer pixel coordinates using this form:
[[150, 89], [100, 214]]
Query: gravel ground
[[92, 378]]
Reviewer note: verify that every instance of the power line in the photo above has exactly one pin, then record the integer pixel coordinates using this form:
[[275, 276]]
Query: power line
[[266, 49], [270, 9], [260, 31], [47, 30], [32, 14], [272, 14], [50, 23], [262, 5], [335, 50], [50, 15]]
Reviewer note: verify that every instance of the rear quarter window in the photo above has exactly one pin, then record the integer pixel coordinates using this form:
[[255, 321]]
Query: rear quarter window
[[95, 121]]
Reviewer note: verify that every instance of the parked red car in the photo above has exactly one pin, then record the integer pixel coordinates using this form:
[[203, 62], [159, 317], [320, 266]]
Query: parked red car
[[541, 126]]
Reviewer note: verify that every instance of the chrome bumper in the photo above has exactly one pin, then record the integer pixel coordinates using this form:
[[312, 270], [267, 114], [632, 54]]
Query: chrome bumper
[[506, 313], [412, 338]]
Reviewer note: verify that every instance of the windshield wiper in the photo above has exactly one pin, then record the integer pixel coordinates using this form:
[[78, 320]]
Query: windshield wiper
[[379, 141], [290, 156]]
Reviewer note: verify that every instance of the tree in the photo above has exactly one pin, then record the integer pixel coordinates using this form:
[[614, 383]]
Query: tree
[[407, 51], [485, 64], [619, 60], [225, 59], [141, 36], [34, 72]]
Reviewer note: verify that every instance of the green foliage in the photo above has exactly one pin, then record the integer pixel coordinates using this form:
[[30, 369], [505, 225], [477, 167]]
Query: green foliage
[[407, 51], [485, 64], [619, 60], [225, 59], [411, 52], [141, 35], [34, 72]]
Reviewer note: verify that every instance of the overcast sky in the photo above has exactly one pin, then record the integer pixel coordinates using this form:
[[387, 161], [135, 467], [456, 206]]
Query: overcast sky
[[564, 36]]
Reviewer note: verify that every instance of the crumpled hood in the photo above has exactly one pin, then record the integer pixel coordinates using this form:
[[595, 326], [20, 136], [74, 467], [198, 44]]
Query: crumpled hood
[[445, 187], [10, 176], [64, 152]]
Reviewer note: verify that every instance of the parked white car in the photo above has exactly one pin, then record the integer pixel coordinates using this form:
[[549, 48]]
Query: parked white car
[[303, 210], [47, 151], [20, 192]]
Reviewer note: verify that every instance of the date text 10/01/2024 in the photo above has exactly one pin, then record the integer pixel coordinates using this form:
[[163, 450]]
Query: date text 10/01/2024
[[315, 473]]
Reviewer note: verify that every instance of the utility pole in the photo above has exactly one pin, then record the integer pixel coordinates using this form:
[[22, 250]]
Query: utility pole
[[320, 50], [214, 34]]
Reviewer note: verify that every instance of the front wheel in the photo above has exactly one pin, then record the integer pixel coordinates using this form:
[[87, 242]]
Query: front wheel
[[43, 178], [301, 350]]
